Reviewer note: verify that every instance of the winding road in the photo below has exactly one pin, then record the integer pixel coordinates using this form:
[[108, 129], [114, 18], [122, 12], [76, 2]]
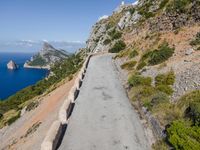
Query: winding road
[[103, 118]]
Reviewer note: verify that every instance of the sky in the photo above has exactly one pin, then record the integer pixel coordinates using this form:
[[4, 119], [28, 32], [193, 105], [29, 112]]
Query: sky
[[61, 20]]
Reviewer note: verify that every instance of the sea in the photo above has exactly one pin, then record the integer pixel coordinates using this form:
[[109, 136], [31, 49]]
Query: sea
[[12, 81]]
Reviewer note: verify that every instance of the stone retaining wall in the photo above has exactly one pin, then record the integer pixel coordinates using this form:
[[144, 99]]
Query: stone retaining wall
[[158, 131], [57, 130]]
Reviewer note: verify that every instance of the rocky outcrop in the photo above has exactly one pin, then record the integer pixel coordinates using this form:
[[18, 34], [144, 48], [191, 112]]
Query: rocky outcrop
[[186, 81], [174, 18], [128, 20], [47, 56], [12, 65], [97, 37]]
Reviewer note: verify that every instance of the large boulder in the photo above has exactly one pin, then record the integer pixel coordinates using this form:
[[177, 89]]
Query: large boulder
[[12, 65]]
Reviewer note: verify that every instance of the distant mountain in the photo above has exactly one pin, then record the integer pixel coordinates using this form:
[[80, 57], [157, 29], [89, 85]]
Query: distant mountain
[[32, 46], [47, 56]]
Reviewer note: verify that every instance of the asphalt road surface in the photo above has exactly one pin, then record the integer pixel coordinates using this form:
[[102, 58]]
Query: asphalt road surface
[[103, 118]]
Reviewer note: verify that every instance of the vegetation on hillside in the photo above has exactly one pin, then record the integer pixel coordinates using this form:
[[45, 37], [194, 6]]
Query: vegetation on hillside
[[114, 34], [129, 65], [180, 6], [38, 61], [158, 56], [106, 41], [118, 46], [184, 136], [144, 10], [196, 41], [183, 118], [133, 54]]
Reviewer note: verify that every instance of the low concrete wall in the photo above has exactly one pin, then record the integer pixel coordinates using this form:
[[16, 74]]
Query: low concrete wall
[[52, 137], [54, 134], [156, 127]]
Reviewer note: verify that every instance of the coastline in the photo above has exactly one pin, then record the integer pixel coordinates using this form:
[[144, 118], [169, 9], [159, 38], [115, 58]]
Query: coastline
[[36, 67]]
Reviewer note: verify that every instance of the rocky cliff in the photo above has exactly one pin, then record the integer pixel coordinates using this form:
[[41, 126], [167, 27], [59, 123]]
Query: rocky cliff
[[47, 56]]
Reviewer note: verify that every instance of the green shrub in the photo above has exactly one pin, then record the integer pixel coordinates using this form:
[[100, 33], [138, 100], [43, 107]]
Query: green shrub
[[165, 79], [114, 34], [161, 55], [38, 61], [141, 65], [144, 10], [32, 106], [166, 112], [196, 41], [179, 6], [185, 101], [147, 91], [121, 54], [163, 4], [142, 93], [159, 98], [136, 80], [183, 136], [165, 89], [133, 54], [129, 65], [14, 118], [146, 14], [1, 116], [147, 104], [119, 46], [106, 41], [32, 129], [194, 112], [146, 55], [132, 11]]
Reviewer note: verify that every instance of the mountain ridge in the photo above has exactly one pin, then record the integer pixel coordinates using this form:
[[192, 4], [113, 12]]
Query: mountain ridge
[[46, 57]]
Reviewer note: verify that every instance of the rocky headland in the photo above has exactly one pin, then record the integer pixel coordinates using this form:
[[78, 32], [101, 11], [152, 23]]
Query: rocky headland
[[46, 57]]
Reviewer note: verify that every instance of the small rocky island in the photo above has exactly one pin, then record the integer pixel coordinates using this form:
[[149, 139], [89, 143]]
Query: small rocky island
[[12, 65]]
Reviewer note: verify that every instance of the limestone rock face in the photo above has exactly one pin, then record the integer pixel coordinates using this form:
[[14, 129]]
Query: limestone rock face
[[12, 65], [46, 57], [99, 32], [175, 19], [124, 20], [128, 20]]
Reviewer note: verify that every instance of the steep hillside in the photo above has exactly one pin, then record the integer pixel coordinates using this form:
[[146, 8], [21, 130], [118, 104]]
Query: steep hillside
[[46, 57], [158, 43]]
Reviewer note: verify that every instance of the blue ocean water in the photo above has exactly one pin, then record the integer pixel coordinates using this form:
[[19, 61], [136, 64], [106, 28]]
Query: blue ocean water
[[12, 81]]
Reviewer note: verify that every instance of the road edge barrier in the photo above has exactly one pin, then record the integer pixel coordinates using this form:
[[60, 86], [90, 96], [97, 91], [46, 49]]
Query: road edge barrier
[[55, 134]]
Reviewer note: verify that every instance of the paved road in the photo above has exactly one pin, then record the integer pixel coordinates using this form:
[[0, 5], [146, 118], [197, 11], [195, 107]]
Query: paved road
[[103, 118]]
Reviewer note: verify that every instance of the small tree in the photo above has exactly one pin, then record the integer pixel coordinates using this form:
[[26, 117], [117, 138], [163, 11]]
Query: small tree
[[194, 112], [1, 115], [119, 46]]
